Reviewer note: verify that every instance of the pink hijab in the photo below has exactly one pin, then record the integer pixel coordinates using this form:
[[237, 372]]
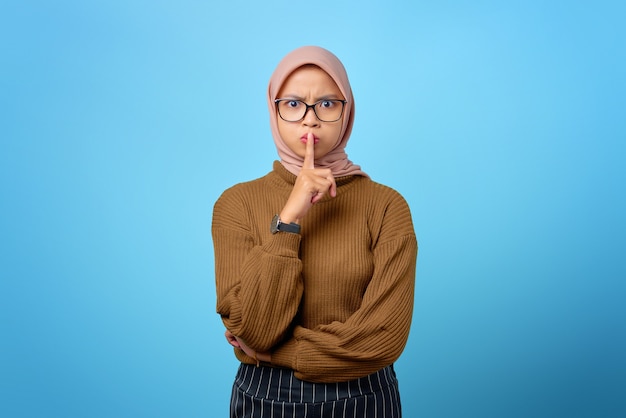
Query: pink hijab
[[337, 159]]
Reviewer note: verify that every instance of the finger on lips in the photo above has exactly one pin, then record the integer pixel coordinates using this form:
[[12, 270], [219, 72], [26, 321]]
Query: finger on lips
[[309, 153]]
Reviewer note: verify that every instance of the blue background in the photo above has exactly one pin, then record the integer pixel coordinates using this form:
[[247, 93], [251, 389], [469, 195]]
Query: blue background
[[501, 122]]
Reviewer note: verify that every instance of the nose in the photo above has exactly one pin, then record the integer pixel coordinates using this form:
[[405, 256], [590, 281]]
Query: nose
[[310, 118]]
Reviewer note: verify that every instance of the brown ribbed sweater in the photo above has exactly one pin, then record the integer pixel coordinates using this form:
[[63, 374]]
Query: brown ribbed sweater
[[333, 303]]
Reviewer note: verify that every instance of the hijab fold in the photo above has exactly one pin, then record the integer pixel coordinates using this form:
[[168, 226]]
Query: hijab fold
[[337, 159]]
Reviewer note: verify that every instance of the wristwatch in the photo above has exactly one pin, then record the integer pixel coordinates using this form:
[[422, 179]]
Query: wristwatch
[[278, 226]]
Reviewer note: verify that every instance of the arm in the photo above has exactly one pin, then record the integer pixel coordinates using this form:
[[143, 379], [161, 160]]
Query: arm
[[260, 286]]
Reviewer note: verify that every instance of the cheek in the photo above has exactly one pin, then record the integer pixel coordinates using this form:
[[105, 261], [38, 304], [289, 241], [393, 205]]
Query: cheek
[[337, 135], [281, 131], [284, 129]]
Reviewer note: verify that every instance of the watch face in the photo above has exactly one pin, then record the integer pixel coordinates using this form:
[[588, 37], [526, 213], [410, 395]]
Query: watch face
[[274, 224]]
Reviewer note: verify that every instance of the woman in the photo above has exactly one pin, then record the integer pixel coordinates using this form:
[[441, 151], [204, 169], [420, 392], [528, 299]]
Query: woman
[[315, 262]]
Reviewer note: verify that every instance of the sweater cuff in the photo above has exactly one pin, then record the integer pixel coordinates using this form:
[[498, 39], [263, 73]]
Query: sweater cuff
[[285, 355], [284, 244]]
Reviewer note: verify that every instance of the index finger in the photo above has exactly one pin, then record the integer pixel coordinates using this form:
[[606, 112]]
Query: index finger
[[309, 153]]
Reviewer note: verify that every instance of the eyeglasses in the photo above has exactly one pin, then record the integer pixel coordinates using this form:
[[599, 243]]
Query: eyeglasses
[[291, 110]]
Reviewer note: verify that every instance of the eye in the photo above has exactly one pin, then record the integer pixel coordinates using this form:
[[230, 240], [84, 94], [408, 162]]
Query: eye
[[292, 103], [327, 103]]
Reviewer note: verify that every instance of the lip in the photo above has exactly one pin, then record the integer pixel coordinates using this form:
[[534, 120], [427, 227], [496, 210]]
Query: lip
[[303, 138]]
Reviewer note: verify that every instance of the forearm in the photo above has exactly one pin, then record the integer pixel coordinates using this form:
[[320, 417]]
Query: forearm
[[330, 355]]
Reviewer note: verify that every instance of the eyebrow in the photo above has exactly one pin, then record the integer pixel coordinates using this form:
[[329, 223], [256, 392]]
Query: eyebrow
[[326, 97]]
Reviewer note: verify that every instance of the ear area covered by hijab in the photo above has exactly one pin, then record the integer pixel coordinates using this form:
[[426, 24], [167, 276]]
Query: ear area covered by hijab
[[337, 159]]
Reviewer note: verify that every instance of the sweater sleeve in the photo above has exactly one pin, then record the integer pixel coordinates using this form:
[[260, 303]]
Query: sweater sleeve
[[375, 335], [259, 285]]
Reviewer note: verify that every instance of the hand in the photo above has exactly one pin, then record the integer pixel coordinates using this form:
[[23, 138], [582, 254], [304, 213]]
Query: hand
[[232, 340], [239, 343], [311, 185]]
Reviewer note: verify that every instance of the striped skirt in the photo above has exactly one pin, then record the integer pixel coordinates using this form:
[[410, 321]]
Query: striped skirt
[[267, 392]]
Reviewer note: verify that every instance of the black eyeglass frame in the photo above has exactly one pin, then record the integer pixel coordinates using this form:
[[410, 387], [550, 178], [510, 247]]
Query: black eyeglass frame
[[311, 106]]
